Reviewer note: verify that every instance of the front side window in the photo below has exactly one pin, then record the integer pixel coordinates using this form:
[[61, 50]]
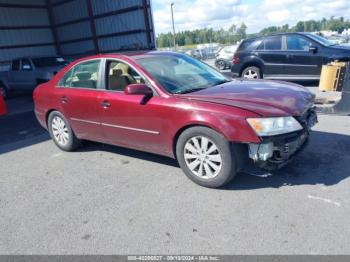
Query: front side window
[[180, 74], [83, 75], [119, 75], [26, 65], [273, 43], [297, 43]]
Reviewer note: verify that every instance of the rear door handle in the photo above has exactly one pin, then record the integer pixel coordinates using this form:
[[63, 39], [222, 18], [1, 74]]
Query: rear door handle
[[64, 100], [105, 104]]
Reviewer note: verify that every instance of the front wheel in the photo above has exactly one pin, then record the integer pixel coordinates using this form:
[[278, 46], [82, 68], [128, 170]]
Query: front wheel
[[206, 157], [252, 72], [61, 132]]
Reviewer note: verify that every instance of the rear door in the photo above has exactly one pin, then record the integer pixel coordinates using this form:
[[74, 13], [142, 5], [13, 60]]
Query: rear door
[[300, 61], [77, 93], [274, 58]]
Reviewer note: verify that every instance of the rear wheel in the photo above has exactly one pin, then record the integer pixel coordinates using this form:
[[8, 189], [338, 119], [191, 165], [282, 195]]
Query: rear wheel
[[206, 157], [61, 132], [252, 72], [220, 64]]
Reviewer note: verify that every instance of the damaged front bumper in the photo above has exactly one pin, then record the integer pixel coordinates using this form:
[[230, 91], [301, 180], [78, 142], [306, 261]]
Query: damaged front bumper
[[276, 151]]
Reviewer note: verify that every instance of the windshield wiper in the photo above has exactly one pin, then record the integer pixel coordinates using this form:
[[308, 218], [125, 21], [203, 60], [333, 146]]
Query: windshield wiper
[[221, 82], [189, 90]]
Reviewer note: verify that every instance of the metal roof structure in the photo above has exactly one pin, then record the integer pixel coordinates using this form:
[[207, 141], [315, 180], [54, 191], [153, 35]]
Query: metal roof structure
[[74, 28]]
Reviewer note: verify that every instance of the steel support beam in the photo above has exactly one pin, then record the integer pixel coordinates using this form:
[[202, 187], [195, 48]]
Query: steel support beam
[[92, 26], [53, 26], [147, 23]]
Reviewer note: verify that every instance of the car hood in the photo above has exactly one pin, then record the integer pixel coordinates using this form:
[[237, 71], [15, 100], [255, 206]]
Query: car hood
[[341, 47], [266, 98]]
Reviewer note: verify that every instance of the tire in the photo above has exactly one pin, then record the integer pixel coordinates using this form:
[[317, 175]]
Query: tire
[[252, 72], [61, 132], [188, 153], [220, 64]]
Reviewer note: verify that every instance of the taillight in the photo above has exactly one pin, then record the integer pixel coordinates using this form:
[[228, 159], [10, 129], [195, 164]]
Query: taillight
[[235, 59]]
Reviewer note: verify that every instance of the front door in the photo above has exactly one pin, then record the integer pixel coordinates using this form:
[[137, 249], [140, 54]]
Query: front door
[[301, 61], [125, 120], [25, 78], [77, 94]]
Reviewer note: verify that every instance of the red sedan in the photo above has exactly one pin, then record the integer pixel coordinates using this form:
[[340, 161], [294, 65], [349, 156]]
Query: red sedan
[[2, 106], [173, 105]]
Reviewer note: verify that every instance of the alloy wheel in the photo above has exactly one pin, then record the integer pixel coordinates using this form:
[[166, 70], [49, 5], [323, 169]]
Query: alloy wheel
[[202, 157], [251, 74], [60, 131], [221, 65]]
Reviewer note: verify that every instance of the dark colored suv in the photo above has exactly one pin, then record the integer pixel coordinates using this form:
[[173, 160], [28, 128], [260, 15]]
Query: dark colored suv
[[288, 56]]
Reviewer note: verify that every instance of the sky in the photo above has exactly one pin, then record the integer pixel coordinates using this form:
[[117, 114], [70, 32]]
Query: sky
[[256, 14]]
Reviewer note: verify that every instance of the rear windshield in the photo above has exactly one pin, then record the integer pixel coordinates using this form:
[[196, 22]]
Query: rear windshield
[[49, 61], [249, 44]]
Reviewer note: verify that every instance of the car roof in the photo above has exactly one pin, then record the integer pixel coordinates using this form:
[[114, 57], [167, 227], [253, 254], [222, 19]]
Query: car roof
[[131, 55], [276, 34]]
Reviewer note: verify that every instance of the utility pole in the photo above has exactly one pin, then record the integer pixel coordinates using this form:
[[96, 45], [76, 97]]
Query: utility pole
[[172, 18]]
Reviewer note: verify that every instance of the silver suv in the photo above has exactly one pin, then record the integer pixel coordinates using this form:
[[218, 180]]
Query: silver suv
[[26, 73]]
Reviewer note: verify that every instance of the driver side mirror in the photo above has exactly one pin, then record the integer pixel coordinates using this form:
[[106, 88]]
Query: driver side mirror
[[313, 49], [139, 89]]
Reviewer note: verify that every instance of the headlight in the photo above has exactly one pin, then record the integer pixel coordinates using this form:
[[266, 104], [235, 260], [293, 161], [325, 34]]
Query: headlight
[[274, 125]]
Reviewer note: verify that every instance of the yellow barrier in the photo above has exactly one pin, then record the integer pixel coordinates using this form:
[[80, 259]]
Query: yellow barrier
[[332, 76]]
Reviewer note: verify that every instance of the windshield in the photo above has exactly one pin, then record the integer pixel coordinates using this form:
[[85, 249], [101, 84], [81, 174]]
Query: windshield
[[179, 74], [49, 61], [320, 39]]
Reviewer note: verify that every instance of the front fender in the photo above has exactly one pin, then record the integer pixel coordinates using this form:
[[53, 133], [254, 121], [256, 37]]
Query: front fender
[[229, 121], [233, 127]]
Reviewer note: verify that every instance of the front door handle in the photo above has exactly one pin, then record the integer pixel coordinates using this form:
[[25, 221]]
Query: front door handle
[[64, 100], [105, 104]]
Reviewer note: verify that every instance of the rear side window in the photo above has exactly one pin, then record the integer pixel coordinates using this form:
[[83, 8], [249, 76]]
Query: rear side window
[[83, 75], [15, 65], [271, 43], [249, 44]]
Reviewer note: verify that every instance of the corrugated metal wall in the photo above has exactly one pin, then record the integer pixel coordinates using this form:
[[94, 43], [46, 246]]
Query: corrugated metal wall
[[23, 28], [73, 27], [117, 25]]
